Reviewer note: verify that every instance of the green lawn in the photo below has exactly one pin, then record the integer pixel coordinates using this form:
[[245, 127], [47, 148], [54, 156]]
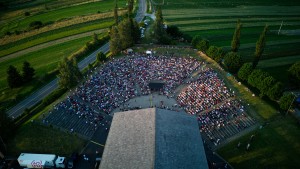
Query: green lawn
[[59, 14], [53, 35], [36, 138], [275, 146], [43, 61]]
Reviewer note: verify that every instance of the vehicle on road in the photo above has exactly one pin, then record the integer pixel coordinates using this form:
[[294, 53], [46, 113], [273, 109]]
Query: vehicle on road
[[41, 161]]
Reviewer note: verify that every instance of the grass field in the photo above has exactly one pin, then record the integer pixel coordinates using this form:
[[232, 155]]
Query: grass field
[[60, 14], [53, 35], [36, 138], [216, 21], [276, 145], [43, 61]]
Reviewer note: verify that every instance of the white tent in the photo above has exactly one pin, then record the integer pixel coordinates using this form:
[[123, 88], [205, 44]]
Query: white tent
[[148, 52]]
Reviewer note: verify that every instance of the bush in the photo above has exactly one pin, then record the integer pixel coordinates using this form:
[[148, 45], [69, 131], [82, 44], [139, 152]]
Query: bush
[[286, 101], [294, 73], [245, 71], [27, 13], [233, 62], [35, 24], [53, 96]]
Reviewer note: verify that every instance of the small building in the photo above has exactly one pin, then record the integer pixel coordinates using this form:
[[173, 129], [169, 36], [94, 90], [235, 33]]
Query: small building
[[148, 53], [154, 138]]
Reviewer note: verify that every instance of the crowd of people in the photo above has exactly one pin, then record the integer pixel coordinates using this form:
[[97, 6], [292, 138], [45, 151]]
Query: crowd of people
[[215, 106], [120, 80], [123, 79]]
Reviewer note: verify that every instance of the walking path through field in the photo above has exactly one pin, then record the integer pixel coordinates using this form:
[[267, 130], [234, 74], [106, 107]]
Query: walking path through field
[[51, 43]]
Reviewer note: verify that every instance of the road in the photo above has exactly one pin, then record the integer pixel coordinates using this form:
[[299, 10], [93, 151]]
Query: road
[[40, 94]]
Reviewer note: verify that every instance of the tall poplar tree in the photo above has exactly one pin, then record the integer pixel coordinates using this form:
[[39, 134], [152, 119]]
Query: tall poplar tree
[[260, 46], [116, 16], [235, 43]]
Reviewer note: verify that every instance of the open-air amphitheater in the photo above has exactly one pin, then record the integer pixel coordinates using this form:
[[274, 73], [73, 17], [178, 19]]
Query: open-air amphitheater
[[190, 86]]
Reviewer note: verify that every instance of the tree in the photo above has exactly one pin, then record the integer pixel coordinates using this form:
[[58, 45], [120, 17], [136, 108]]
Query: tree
[[116, 16], [216, 53], [95, 39], [114, 42], [286, 101], [233, 62], [135, 30], [195, 41], [266, 85], [174, 31], [260, 46], [69, 73], [28, 72], [245, 71], [36, 24], [101, 57], [160, 33], [294, 73], [7, 129], [275, 92], [256, 77], [235, 43], [14, 79], [130, 7], [125, 33]]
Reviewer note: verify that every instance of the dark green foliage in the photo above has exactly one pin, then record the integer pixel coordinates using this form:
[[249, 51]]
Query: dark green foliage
[[125, 33], [27, 13], [174, 31], [245, 71], [266, 85], [116, 16], [28, 72], [90, 46], [136, 34], [195, 41], [160, 33], [35, 24], [6, 128], [201, 44], [114, 43], [216, 53], [53, 96], [256, 77], [69, 73], [286, 101], [233, 62], [294, 73], [235, 43], [260, 47], [101, 57], [275, 92], [130, 6], [14, 79]]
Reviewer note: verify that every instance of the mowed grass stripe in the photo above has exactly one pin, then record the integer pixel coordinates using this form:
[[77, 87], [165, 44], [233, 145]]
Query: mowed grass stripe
[[50, 37], [286, 60], [43, 61], [238, 11], [54, 15], [199, 27], [191, 21]]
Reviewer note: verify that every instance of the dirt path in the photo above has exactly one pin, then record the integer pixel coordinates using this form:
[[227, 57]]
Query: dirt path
[[50, 43]]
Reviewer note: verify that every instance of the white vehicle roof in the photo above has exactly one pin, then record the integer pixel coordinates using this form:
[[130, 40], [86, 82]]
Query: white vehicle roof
[[42, 157]]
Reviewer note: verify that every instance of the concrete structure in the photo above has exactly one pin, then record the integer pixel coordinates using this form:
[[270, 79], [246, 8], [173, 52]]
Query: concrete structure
[[153, 138]]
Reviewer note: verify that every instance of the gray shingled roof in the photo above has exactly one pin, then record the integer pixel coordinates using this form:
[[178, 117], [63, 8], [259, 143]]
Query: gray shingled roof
[[153, 138]]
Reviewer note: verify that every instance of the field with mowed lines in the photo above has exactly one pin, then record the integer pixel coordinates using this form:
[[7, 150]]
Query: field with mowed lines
[[67, 26], [216, 21], [276, 144]]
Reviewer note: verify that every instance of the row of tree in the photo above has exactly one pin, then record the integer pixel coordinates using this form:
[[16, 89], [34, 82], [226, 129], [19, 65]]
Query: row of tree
[[247, 72], [16, 79]]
